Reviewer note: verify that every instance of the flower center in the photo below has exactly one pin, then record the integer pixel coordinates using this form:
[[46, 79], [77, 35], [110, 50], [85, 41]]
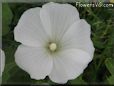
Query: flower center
[[52, 46]]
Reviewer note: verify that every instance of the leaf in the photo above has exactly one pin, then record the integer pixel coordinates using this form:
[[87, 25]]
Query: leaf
[[111, 79], [42, 82], [109, 62], [6, 73], [78, 80], [6, 18]]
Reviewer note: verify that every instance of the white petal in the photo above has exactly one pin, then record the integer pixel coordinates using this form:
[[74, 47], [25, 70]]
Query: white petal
[[78, 36], [58, 18], [35, 61], [2, 61], [29, 30], [69, 64]]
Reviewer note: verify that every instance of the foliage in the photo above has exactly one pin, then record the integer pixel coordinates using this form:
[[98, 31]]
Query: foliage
[[109, 62], [7, 16]]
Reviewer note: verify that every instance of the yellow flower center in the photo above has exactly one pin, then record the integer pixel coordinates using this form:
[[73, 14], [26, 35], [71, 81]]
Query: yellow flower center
[[53, 46]]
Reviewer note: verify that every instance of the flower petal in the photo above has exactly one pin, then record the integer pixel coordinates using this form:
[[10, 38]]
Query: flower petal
[[2, 61], [58, 18], [78, 36], [35, 61], [69, 64], [29, 30]]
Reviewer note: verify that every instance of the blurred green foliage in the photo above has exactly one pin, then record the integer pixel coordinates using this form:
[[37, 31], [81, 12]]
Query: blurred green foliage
[[99, 71], [7, 17], [109, 62]]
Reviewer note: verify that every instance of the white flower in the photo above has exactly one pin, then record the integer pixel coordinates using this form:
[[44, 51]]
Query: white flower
[[55, 42], [2, 61]]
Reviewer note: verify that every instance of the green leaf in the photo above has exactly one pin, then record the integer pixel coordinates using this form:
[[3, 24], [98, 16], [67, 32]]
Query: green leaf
[[109, 62], [78, 80], [111, 79], [6, 18], [6, 73], [42, 82]]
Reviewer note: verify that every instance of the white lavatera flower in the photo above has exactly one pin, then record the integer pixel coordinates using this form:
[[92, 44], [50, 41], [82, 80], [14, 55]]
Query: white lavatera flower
[[55, 42], [2, 61]]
